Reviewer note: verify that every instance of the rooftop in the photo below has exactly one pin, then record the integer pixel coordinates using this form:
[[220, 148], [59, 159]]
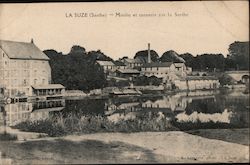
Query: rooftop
[[131, 71], [178, 65], [131, 60], [105, 63], [49, 86], [22, 50], [201, 78]]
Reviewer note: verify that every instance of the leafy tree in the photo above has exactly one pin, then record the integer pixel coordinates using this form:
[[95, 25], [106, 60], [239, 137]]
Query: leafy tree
[[76, 49], [98, 55], [239, 53], [189, 59], [210, 62], [224, 79], [171, 56], [144, 80], [143, 56], [77, 70]]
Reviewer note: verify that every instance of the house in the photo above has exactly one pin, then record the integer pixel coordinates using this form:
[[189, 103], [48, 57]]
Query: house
[[108, 66], [23, 67], [169, 71], [165, 70], [132, 63], [197, 82]]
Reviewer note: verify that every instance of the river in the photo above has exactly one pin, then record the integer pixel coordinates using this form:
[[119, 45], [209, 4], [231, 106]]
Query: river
[[180, 111]]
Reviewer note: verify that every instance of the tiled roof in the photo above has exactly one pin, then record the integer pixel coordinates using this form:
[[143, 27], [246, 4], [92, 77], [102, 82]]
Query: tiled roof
[[105, 63], [155, 64], [178, 65], [22, 50], [49, 86]]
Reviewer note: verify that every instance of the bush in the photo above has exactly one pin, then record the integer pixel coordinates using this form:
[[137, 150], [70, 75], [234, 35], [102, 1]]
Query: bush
[[7, 137]]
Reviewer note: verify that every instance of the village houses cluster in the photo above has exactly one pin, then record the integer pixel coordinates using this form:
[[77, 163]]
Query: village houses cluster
[[170, 72], [25, 70]]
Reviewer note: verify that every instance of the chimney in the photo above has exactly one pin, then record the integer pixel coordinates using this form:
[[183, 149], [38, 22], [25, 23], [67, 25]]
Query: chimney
[[32, 41], [149, 56]]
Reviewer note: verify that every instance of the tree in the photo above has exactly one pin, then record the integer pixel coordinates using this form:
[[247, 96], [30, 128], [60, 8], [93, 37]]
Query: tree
[[239, 53], [98, 55], [77, 70], [144, 80], [224, 79], [143, 56], [189, 59], [76, 49], [171, 56]]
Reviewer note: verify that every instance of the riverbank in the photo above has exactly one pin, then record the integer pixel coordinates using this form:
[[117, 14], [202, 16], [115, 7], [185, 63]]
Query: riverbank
[[141, 147]]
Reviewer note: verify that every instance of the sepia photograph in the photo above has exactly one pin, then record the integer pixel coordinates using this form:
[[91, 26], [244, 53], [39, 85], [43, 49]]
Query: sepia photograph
[[124, 82]]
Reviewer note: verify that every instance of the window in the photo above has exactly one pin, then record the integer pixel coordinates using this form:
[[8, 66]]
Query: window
[[35, 81], [43, 81], [24, 82]]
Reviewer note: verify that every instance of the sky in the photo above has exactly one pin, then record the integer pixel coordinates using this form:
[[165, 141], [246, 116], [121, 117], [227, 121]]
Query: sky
[[194, 27]]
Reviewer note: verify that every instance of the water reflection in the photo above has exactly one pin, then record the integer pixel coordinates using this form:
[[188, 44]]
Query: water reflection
[[23, 111], [203, 107]]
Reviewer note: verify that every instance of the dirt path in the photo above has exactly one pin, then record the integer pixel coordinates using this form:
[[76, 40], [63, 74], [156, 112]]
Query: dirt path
[[143, 147], [178, 145]]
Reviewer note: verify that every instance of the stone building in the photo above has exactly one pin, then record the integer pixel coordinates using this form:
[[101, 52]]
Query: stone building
[[23, 67], [197, 83]]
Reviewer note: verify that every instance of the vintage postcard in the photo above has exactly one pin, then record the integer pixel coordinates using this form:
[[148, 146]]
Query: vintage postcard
[[124, 82]]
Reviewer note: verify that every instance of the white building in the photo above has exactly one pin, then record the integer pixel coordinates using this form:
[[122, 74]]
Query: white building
[[108, 66], [169, 71]]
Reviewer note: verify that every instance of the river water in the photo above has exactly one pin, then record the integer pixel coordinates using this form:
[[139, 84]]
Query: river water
[[181, 111]]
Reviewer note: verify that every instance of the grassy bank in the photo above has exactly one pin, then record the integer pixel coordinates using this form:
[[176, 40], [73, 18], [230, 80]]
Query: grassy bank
[[59, 126]]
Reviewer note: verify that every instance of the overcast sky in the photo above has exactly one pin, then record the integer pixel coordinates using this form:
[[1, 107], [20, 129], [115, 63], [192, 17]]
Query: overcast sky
[[206, 27]]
